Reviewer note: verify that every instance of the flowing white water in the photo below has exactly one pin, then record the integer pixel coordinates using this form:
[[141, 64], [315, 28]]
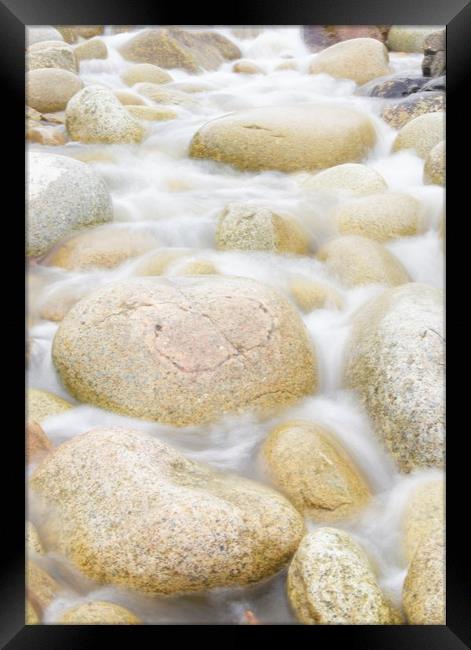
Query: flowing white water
[[155, 185]]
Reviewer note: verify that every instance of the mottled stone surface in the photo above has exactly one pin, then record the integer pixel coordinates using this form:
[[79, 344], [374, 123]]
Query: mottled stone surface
[[397, 115], [435, 84], [104, 247], [98, 613], [33, 542], [318, 37], [434, 61], [95, 48], [64, 195], [51, 54], [308, 465], [244, 66], [357, 260], [72, 33], [145, 72], [331, 582], [435, 165], [264, 138], [394, 85], [185, 350], [380, 217], [151, 113], [359, 59], [163, 95], [421, 134], [409, 38], [41, 404], [49, 89], [395, 362], [424, 515], [310, 294], [423, 594], [32, 617], [132, 511], [39, 34], [351, 178], [96, 115], [37, 443], [248, 227], [41, 587]]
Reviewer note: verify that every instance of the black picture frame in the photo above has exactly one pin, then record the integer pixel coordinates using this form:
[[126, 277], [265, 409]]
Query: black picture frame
[[14, 16]]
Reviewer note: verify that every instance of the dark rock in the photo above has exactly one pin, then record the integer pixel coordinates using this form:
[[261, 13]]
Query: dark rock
[[435, 84], [399, 113], [397, 85], [434, 61]]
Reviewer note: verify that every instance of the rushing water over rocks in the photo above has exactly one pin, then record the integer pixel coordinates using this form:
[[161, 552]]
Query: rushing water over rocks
[[176, 201]]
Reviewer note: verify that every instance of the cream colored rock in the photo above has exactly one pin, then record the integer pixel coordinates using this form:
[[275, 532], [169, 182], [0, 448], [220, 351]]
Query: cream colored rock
[[247, 227], [32, 617], [264, 138], [359, 59], [421, 134], [424, 516], [98, 613], [158, 262], [331, 582], [307, 464], [96, 115], [49, 89], [105, 247], [435, 165], [423, 594], [33, 541], [162, 95], [310, 294], [42, 404], [37, 443], [247, 67], [198, 267], [129, 99], [51, 136], [72, 33], [357, 260], [40, 34], [286, 66], [381, 217], [185, 350], [160, 523], [395, 363], [51, 54], [153, 113], [94, 48], [42, 588], [352, 178], [145, 72], [409, 38]]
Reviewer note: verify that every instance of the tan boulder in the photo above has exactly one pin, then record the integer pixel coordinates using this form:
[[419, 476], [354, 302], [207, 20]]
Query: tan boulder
[[50, 136], [157, 263], [245, 227], [72, 33], [351, 178], [160, 523], [435, 165], [153, 113], [185, 350], [98, 613], [42, 588], [409, 38], [423, 594], [247, 67], [421, 134], [41, 404], [32, 617], [49, 89], [264, 138], [394, 361], [94, 48], [424, 515], [331, 582], [51, 54], [309, 466], [37, 443], [359, 59], [129, 99], [380, 217], [162, 95], [198, 267], [44, 33], [310, 294], [357, 260], [145, 72]]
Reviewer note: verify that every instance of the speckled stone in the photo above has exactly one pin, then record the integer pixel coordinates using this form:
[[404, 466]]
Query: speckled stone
[[37, 443], [145, 72], [310, 294], [32, 617], [421, 134], [71, 33], [308, 465], [381, 217], [435, 165], [424, 515], [185, 350], [409, 38], [359, 59], [434, 61], [105, 247], [39, 34], [331, 582], [264, 138], [95, 48], [42, 588], [33, 542], [395, 362], [397, 115], [51, 54], [423, 594], [351, 178], [247, 227], [162, 95], [132, 511], [64, 195], [98, 613], [356, 260], [394, 85], [49, 89], [42, 404], [245, 66], [151, 113], [96, 115]]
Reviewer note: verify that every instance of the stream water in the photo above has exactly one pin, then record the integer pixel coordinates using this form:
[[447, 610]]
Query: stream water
[[155, 185]]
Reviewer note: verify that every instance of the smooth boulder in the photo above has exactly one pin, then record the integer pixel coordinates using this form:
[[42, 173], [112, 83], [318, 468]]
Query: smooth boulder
[[359, 59], [395, 363], [145, 72], [96, 115], [423, 593], [434, 61], [95, 48], [435, 165], [309, 294], [264, 138], [98, 613], [49, 89], [421, 134], [424, 515], [41, 404], [64, 195], [331, 582], [40, 34], [349, 178], [185, 350], [51, 54], [409, 38], [131, 511]]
